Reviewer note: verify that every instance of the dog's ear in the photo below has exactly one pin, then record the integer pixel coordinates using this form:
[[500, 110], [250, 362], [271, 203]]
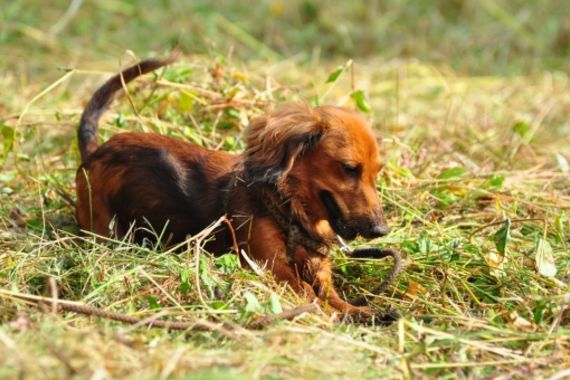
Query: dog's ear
[[276, 140]]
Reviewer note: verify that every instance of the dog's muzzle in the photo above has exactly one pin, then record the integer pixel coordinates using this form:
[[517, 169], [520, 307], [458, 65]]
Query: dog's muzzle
[[373, 229], [380, 230], [366, 226]]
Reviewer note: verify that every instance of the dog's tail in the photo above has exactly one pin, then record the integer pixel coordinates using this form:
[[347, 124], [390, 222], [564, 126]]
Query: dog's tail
[[89, 124]]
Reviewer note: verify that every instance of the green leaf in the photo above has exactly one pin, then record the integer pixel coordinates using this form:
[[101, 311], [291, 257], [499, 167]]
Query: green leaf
[[360, 99], [335, 74], [205, 277], [274, 305], [497, 180], [252, 305], [502, 237], [8, 143], [219, 305], [315, 101], [544, 259], [152, 302], [445, 197], [120, 122], [309, 11], [403, 172], [184, 281], [454, 172], [186, 101], [522, 129], [8, 176], [178, 75], [35, 224], [227, 263], [232, 112], [424, 245], [193, 135], [538, 312]]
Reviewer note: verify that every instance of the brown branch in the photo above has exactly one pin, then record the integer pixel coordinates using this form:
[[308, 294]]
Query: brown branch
[[286, 315]]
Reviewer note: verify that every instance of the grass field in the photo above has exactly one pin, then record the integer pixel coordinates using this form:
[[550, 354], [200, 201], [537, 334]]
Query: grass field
[[471, 101]]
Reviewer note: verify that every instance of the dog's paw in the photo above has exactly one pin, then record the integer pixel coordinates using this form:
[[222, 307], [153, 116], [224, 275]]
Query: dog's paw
[[368, 317], [385, 318]]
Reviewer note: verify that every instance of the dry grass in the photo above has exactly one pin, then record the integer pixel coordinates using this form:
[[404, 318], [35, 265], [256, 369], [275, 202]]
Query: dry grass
[[468, 310], [475, 185]]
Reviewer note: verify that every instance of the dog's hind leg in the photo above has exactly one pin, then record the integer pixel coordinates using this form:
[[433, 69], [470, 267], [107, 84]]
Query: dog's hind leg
[[93, 212], [97, 218]]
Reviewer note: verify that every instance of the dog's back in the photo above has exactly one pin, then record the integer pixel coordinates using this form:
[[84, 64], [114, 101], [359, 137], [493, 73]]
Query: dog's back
[[165, 186]]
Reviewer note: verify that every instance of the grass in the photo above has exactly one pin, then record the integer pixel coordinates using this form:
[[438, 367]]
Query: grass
[[475, 185]]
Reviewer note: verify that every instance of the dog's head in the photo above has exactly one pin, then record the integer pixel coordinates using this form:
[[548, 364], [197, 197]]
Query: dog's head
[[325, 161]]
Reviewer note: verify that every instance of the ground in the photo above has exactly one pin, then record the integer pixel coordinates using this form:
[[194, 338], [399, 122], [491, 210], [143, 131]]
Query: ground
[[469, 101]]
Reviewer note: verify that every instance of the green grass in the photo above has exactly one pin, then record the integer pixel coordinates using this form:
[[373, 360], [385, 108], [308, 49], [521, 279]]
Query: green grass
[[474, 130]]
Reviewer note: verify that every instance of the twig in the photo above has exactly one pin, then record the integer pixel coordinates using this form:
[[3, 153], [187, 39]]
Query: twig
[[234, 238], [378, 253], [285, 315], [197, 247], [151, 322]]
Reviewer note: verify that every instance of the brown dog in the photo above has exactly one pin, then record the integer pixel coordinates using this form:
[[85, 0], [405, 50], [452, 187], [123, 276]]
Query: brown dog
[[305, 176]]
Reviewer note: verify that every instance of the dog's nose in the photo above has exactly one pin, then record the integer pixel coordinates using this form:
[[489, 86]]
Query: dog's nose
[[378, 230]]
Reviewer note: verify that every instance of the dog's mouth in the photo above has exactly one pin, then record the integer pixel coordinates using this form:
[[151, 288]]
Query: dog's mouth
[[335, 218]]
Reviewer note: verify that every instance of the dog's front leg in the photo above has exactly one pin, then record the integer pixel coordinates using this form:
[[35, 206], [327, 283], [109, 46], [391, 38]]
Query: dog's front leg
[[283, 272], [267, 246], [319, 273]]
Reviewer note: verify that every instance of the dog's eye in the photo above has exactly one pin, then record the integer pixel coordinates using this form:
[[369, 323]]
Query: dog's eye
[[352, 170]]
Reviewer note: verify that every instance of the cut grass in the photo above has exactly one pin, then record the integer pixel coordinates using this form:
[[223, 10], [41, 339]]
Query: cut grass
[[456, 166], [463, 156]]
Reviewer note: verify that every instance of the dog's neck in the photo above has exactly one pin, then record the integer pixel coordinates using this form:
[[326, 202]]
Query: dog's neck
[[277, 205], [279, 209]]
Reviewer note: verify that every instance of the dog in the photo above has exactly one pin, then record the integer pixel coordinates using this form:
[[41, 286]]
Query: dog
[[305, 176]]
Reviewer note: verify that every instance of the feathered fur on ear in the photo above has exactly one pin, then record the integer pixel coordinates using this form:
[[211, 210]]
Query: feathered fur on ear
[[276, 140]]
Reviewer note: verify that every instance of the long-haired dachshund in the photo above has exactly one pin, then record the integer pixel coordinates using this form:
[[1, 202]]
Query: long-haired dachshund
[[305, 176]]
